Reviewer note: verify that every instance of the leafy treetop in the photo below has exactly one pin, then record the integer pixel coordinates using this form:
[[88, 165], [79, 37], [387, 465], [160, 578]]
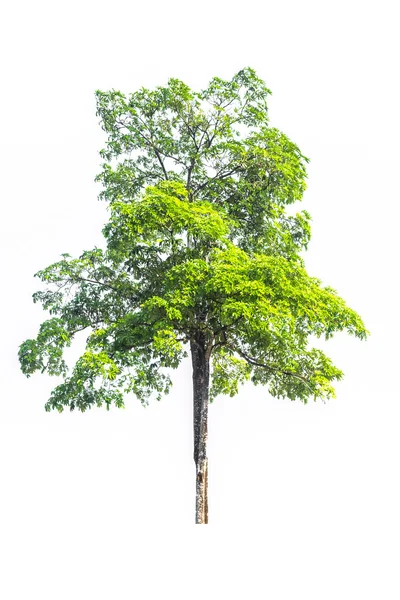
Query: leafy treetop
[[199, 247]]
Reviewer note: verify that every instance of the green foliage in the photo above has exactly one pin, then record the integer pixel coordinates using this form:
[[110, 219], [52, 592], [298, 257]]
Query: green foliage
[[198, 243]]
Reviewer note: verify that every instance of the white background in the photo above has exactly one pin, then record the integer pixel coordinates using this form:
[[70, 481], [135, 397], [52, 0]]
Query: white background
[[304, 500]]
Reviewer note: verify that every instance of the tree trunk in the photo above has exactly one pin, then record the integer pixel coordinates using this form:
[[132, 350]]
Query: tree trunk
[[201, 381]]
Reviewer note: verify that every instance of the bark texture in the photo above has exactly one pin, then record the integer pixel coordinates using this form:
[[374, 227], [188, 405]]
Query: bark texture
[[201, 381]]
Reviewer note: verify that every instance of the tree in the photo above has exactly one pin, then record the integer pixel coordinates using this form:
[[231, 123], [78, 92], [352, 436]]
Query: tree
[[201, 256]]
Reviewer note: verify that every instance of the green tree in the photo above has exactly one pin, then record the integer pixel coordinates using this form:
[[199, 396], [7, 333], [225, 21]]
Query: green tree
[[201, 256]]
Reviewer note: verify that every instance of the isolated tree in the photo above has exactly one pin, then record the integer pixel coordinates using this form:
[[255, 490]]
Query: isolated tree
[[201, 257]]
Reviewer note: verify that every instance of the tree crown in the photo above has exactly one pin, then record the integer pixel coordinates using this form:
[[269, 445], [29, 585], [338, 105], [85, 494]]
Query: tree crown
[[199, 248]]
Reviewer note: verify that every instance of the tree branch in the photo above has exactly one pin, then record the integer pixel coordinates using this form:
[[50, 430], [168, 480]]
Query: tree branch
[[255, 363], [161, 162]]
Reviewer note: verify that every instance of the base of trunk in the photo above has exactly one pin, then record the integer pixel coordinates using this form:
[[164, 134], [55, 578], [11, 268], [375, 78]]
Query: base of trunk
[[202, 492]]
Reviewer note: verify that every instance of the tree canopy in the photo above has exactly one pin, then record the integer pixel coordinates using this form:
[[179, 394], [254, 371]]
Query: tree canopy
[[199, 244]]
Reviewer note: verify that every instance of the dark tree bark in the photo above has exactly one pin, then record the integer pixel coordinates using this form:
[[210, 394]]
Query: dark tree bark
[[201, 381]]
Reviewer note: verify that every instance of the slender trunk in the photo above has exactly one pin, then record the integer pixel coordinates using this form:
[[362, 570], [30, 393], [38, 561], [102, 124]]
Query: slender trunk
[[201, 380]]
